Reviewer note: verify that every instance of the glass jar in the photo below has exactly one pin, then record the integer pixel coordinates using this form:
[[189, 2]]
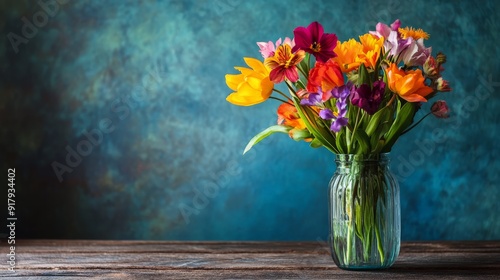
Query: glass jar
[[364, 213]]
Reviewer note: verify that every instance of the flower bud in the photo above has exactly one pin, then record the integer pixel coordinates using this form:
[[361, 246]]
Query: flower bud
[[442, 85], [430, 68], [441, 58], [440, 109]]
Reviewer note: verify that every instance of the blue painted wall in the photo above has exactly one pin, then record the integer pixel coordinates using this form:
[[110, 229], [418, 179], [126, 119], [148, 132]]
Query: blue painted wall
[[137, 89]]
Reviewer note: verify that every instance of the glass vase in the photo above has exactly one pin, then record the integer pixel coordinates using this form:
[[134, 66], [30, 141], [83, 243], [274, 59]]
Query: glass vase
[[364, 213]]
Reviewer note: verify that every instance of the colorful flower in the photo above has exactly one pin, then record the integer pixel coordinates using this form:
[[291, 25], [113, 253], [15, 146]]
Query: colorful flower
[[410, 85], [414, 33], [440, 109], [442, 85], [316, 98], [252, 86], [367, 98], [394, 44], [283, 64], [431, 69], [268, 49], [325, 76], [415, 54], [372, 46], [314, 41], [338, 118], [382, 30], [288, 115], [347, 55]]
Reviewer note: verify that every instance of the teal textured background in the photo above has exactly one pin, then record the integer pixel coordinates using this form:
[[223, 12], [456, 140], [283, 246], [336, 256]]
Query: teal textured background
[[137, 87]]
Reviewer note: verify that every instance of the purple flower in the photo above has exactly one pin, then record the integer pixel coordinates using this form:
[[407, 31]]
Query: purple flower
[[415, 54], [368, 99], [314, 99], [338, 118], [342, 92], [395, 44]]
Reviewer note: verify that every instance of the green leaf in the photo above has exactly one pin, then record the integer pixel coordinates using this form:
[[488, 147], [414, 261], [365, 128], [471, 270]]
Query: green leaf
[[340, 142], [265, 133], [364, 76], [363, 140], [315, 143], [322, 133], [403, 119], [375, 121], [299, 134]]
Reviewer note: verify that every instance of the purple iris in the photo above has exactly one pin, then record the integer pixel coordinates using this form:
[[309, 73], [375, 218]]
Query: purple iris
[[338, 118], [316, 98], [368, 99]]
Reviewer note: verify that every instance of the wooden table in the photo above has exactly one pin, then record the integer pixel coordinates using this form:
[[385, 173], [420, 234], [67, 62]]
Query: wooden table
[[77, 259]]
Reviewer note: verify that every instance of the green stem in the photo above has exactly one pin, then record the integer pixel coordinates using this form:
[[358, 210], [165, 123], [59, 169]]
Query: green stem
[[379, 245], [356, 123], [292, 90], [282, 94], [301, 83], [349, 243], [415, 124], [279, 99], [302, 71]]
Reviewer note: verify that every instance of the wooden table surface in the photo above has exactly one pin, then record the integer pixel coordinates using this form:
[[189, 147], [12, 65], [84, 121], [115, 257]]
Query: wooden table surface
[[78, 259]]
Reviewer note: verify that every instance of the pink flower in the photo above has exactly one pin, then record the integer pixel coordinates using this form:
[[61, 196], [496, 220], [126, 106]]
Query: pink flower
[[415, 54], [394, 44], [440, 109], [268, 49], [383, 30], [314, 41]]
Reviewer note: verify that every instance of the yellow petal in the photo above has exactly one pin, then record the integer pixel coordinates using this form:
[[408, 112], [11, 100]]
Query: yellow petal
[[256, 65], [233, 81], [254, 82]]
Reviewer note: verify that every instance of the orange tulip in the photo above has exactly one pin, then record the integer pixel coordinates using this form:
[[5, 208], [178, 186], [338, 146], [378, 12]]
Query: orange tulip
[[347, 55], [288, 115], [409, 85]]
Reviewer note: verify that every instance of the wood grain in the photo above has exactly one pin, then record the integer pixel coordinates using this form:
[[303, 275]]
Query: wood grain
[[99, 259]]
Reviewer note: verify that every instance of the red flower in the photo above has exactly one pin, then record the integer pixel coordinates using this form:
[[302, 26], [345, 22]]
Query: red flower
[[314, 41], [326, 76], [440, 109]]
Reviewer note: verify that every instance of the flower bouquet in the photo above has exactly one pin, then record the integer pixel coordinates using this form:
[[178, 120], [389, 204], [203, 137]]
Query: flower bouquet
[[354, 98]]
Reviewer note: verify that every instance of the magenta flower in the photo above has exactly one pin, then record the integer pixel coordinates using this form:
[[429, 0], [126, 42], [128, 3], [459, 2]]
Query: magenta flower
[[440, 109], [368, 99], [314, 41]]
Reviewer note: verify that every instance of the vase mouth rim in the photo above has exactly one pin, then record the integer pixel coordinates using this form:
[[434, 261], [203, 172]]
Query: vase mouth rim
[[362, 157]]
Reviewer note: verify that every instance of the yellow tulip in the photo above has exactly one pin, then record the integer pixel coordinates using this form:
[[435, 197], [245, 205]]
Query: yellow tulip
[[252, 86]]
